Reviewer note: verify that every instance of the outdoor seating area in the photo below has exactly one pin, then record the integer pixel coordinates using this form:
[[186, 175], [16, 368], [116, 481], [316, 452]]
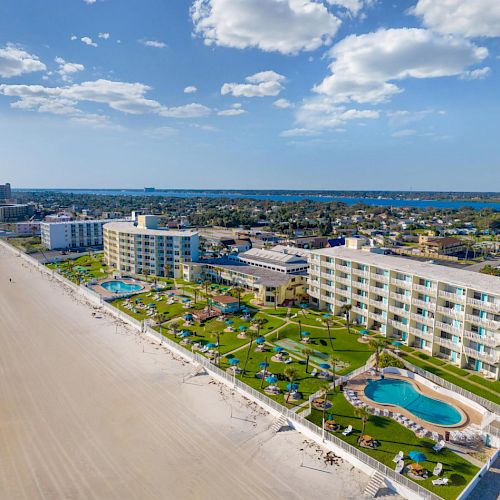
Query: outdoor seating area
[[366, 441]]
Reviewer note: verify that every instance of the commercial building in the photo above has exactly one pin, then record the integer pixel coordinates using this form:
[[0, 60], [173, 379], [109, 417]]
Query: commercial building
[[5, 192], [440, 246], [72, 234], [15, 212], [137, 248], [275, 277], [446, 312]]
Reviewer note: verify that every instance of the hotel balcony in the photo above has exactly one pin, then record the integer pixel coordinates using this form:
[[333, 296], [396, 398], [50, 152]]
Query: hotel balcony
[[483, 321], [448, 328], [421, 334], [452, 296], [398, 324], [399, 310], [492, 358], [359, 272], [344, 269], [423, 304], [327, 299], [379, 277], [489, 340], [358, 310], [344, 293], [399, 296], [401, 283], [493, 307], [314, 293], [379, 291], [448, 343], [422, 319], [378, 317], [428, 290], [362, 298], [340, 303], [344, 281], [357, 284], [450, 312], [328, 288]]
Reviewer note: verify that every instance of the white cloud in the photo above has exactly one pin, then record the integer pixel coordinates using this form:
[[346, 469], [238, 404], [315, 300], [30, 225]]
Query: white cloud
[[73, 37], [67, 69], [190, 89], [404, 117], [286, 26], [15, 61], [232, 112], [90, 2], [404, 133], [104, 36], [161, 132], [153, 43], [365, 65], [476, 74], [88, 41], [125, 97], [265, 83], [323, 112], [299, 132], [193, 110], [469, 18], [282, 104]]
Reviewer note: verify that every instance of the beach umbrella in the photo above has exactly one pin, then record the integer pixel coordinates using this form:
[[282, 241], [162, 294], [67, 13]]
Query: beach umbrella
[[330, 416], [396, 343], [186, 300], [326, 315], [303, 306], [185, 334], [263, 364], [211, 345], [152, 304], [243, 328], [188, 316], [260, 340], [417, 456], [245, 310], [234, 361], [325, 366], [278, 348], [229, 321], [305, 334], [364, 332], [138, 299], [271, 379], [292, 387]]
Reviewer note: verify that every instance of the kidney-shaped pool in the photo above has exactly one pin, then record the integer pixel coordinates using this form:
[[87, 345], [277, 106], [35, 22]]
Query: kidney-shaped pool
[[401, 393], [120, 287]]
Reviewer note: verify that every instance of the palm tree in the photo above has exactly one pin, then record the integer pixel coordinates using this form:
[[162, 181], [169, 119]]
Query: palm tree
[[207, 283], [334, 362], [259, 322], [195, 295], [363, 414], [328, 323], [238, 290], [252, 336], [307, 353], [378, 345], [175, 327], [217, 335], [325, 389], [159, 318], [291, 374], [345, 310], [167, 268]]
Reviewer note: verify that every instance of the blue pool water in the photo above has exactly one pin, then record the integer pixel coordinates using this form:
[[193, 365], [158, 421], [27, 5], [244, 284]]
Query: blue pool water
[[403, 394], [120, 287]]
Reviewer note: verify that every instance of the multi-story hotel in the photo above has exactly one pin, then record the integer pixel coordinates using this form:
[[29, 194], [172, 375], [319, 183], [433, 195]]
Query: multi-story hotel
[[446, 312], [15, 212], [135, 248], [72, 234]]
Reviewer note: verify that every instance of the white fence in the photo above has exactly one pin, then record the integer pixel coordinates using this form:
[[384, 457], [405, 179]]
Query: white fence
[[401, 484]]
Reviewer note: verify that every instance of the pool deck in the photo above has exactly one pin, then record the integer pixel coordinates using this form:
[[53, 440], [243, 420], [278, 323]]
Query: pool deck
[[106, 294], [471, 416]]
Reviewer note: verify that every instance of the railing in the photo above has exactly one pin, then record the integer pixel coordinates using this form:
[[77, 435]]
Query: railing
[[483, 321], [378, 317], [402, 283], [359, 272], [344, 269], [425, 289], [420, 333], [450, 295], [490, 306], [358, 284], [490, 358], [423, 304], [379, 291], [399, 296], [379, 277], [399, 310], [422, 319], [490, 340], [344, 281], [448, 343], [450, 312], [448, 328], [489, 405]]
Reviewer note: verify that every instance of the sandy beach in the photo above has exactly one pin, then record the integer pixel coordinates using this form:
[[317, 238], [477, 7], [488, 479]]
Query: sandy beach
[[91, 410]]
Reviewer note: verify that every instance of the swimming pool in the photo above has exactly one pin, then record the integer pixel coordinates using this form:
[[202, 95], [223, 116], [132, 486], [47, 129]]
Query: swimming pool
[[403, 394], [120, 287]]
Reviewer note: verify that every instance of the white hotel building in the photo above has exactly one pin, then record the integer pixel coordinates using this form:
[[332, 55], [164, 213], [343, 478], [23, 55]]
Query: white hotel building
[[72, 234], [446, 312], [135, 248]]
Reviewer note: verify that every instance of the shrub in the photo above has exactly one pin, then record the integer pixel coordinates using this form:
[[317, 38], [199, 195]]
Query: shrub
[[386, 360]]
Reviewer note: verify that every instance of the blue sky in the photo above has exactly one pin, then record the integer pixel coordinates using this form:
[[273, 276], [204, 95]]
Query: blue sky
[[286, 94]]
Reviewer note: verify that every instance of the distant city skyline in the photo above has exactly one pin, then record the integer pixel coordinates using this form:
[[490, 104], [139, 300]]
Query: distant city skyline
[[235, 94]]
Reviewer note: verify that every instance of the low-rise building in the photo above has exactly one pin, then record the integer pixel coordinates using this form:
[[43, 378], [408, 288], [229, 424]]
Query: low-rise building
[[28, 228], [72, 234], [138, 248], [15, 212], [446, 312], [440, 246]]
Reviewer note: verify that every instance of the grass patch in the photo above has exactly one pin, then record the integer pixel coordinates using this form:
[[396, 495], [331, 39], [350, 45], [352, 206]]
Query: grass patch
[[490, 384], [90, 267]]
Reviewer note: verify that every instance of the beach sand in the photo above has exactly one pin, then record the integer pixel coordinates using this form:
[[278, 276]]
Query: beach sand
[[89, 409]]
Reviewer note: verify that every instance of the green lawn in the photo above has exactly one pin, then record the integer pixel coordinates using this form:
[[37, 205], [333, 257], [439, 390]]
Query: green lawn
[[92, 264], [393, 438]]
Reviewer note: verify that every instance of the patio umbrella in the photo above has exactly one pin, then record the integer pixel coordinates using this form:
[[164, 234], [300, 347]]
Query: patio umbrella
[[305, 334], [325, 366], [152, 304], [263, 365], [303, 306], [292, 387], [417, 456], [245, 310], [234, 361], [260, 340], [212, 346], [185, 334], [364, 332], [277, 348], [326, 315], [188, 316], [396, 343], [186, 300], [271, 379], [229, 321], [243, 328], [138, 299]]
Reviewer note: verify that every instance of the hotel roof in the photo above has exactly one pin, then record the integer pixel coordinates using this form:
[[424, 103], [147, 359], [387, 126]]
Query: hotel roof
[[131, 228], [273, 257], [458, 277]]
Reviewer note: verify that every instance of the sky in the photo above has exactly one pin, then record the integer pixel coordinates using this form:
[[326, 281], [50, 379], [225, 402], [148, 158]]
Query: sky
[[256, 94]]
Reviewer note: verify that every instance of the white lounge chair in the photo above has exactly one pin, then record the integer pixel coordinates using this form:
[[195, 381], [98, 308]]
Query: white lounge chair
[[435, 436], [439, 446], [398, 457], [400, 466], [442, 481], [438, 469], [347, 430], [314, 372], [288, 361], [377, 411]]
